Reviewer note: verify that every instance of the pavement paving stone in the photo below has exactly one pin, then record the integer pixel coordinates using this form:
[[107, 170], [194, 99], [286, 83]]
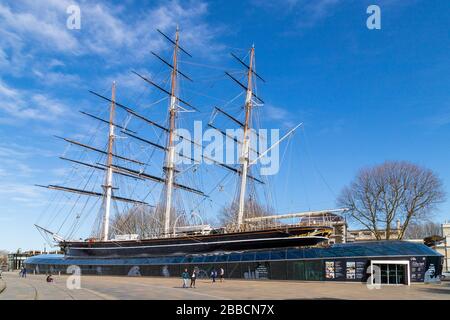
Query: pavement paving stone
[[34, 287]]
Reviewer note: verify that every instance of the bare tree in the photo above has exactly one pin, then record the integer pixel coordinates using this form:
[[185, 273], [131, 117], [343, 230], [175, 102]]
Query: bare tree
[[228, 215], [145, 221], [138, 220], [417, 230], [382, 194]]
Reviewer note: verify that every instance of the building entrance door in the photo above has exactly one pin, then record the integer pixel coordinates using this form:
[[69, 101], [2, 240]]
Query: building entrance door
[[391, 272]]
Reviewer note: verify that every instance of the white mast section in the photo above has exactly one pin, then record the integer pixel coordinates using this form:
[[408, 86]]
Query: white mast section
[[109, 172], [244, 159], [170, 155]]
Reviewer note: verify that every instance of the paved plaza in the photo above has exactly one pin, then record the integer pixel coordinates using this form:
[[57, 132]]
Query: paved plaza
[[34, 287]]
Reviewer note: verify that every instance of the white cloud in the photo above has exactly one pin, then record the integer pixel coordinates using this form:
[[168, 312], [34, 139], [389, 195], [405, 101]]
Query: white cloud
[[279, 115], [25, 191], [437, 120], [8, 92], [49, 78], [39, 28], [26, 104], [22, 151], [55, 63], [105, 29], [36, 45], [128, 81], [60, 172], [15, 159]]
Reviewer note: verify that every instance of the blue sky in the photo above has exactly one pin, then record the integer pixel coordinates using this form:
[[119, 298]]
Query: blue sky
[[365, 96]]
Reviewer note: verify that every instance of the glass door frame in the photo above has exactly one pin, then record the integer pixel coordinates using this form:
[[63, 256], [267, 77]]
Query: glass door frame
[[392, 262]]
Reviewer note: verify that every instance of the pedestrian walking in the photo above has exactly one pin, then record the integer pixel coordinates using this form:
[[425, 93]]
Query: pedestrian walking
[[214, 275], [185, 277], [221, 274], [193, 278]]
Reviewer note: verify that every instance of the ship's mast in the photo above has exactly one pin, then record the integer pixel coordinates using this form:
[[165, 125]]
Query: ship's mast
[[170, 155], [244, 159], [109, 172]]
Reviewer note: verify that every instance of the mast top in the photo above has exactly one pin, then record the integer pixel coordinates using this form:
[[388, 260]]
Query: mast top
[[174, 41]]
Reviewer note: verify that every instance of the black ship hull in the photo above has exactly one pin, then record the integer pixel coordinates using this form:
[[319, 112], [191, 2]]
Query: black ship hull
[[264, 239]]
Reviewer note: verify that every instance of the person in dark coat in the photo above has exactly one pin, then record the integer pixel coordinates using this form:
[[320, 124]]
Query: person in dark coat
[[193, 278], [221, 274], [49, 278], [213, 275]]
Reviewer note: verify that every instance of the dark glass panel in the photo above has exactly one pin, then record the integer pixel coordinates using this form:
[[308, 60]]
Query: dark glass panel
[[209, 259], [248, 256], [235, 257], [278, 270], [262, 255], [295, 254], [278, 255]]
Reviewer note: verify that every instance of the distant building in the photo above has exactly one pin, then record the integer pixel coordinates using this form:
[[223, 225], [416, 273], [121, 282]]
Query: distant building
[[15, 260], [444, 247], [367, 235]]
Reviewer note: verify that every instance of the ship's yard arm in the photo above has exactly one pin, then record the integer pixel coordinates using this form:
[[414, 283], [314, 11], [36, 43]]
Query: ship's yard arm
[[99, 150], [91, 193]]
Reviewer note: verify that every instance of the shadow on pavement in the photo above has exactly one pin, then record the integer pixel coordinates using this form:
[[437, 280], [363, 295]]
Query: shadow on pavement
[[439, 290]]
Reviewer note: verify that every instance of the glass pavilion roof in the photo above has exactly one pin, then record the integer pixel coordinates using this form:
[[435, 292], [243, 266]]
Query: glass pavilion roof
[[372, 249]]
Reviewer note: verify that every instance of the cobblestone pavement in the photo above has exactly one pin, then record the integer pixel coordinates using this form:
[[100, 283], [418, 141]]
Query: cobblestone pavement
[[110, 288]]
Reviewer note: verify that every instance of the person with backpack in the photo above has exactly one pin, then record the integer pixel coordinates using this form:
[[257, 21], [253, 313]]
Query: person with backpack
[[214, 275]]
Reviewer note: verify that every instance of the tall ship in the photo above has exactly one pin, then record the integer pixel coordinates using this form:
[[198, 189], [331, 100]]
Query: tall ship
[[141, 227]]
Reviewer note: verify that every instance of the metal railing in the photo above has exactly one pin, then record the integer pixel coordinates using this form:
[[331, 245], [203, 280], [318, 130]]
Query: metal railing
[[322, 220]]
